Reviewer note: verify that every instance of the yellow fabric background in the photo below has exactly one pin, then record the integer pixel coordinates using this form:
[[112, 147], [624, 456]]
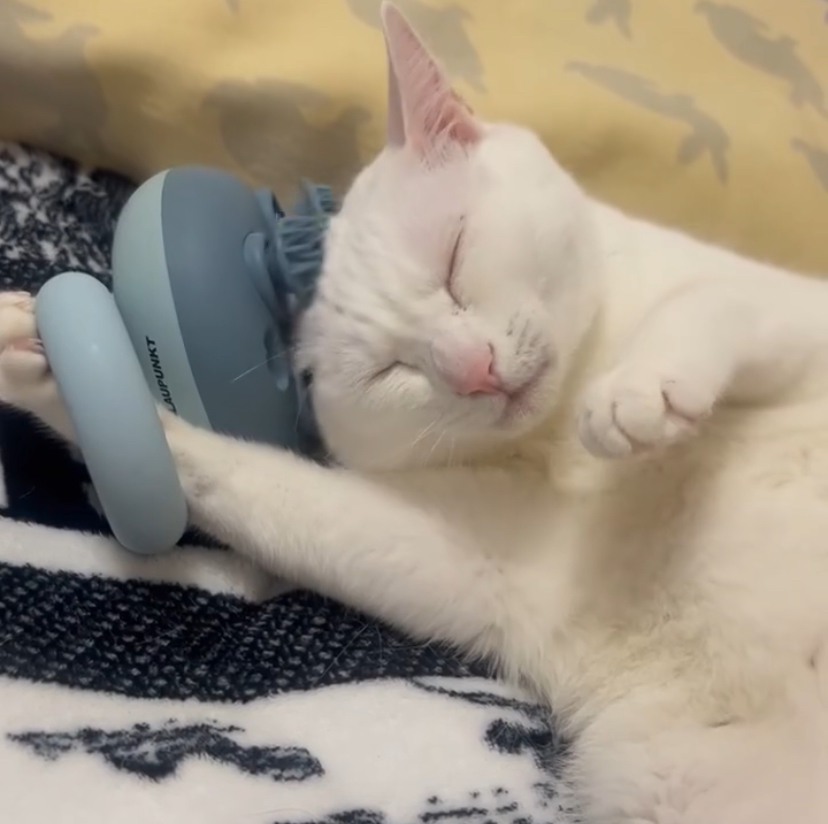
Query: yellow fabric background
[[712, 116]]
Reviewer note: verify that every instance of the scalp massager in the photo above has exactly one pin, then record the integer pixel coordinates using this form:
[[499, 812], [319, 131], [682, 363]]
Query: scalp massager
[[208, 276]]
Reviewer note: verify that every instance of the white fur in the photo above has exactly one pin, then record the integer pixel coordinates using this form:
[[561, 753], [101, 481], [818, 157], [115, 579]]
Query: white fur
[[644, 537]]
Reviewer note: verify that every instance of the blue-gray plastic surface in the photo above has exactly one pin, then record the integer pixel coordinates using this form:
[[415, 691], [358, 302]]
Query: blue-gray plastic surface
[[144, 297], [112, 412], [226, 326], [181, 280]]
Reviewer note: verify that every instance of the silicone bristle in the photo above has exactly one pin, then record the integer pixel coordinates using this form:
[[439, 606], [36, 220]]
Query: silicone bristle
[[299, 241], [315, 200], [294, 256], [293, 260], [326, 200]]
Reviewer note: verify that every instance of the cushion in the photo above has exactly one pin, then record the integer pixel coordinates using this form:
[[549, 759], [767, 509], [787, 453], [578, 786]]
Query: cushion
[[712, 116]]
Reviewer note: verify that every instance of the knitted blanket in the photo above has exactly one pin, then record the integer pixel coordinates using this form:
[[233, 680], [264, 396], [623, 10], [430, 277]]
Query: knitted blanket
[[191, 688]]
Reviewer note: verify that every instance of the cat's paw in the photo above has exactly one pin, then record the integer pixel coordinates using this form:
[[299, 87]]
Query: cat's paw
[[25, 379], [630, 410]]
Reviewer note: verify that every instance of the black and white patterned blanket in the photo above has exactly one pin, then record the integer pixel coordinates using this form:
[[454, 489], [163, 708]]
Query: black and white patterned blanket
[[189, 688]]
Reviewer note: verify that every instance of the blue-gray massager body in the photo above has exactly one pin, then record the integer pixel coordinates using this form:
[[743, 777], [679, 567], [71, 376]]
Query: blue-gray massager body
[[208, 277]]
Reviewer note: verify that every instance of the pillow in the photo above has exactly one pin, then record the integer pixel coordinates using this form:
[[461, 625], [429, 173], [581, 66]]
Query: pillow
[[711, 116]]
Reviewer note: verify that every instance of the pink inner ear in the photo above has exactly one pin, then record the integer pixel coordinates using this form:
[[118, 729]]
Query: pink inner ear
[[423, 109], [395, 127], [444, 116]]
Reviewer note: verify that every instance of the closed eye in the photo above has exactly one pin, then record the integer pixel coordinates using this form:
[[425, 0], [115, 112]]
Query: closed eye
[[386, 370], [454, 260], [391, 368]]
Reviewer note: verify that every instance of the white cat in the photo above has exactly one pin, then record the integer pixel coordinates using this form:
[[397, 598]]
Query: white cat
[[589, 447]]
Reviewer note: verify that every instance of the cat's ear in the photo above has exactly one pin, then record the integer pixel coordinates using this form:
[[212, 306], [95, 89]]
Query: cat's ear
[[424, 112]]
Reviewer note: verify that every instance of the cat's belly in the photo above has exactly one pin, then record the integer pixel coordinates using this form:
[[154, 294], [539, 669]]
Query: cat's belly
[[706, 565]]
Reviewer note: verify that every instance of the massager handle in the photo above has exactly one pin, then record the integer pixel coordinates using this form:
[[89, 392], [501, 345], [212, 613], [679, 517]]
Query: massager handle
[[112, 411]]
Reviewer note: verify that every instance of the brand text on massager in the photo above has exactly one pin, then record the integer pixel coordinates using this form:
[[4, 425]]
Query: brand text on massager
[[166, 396]]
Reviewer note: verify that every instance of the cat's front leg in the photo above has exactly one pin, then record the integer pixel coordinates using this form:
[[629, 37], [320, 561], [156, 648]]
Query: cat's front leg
[[370, 542], [362, 541], [711, 342]]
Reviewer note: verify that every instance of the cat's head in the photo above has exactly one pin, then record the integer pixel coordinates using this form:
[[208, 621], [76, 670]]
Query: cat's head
[[457, 282]]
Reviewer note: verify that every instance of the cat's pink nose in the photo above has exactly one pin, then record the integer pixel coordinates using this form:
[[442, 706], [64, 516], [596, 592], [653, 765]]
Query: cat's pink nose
[[473, 373]]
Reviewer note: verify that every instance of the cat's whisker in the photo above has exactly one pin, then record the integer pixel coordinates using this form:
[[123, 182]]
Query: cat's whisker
[[425, 431], [434, 446], [445, 422], [265, 362], [299, 409], [342, 652]]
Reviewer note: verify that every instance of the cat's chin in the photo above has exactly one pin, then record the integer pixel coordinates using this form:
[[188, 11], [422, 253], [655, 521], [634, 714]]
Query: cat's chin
[[524, 407], [517, 414]]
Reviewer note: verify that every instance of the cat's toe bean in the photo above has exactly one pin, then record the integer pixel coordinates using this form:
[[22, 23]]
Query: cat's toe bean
[[17, 320], [24, 371]]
